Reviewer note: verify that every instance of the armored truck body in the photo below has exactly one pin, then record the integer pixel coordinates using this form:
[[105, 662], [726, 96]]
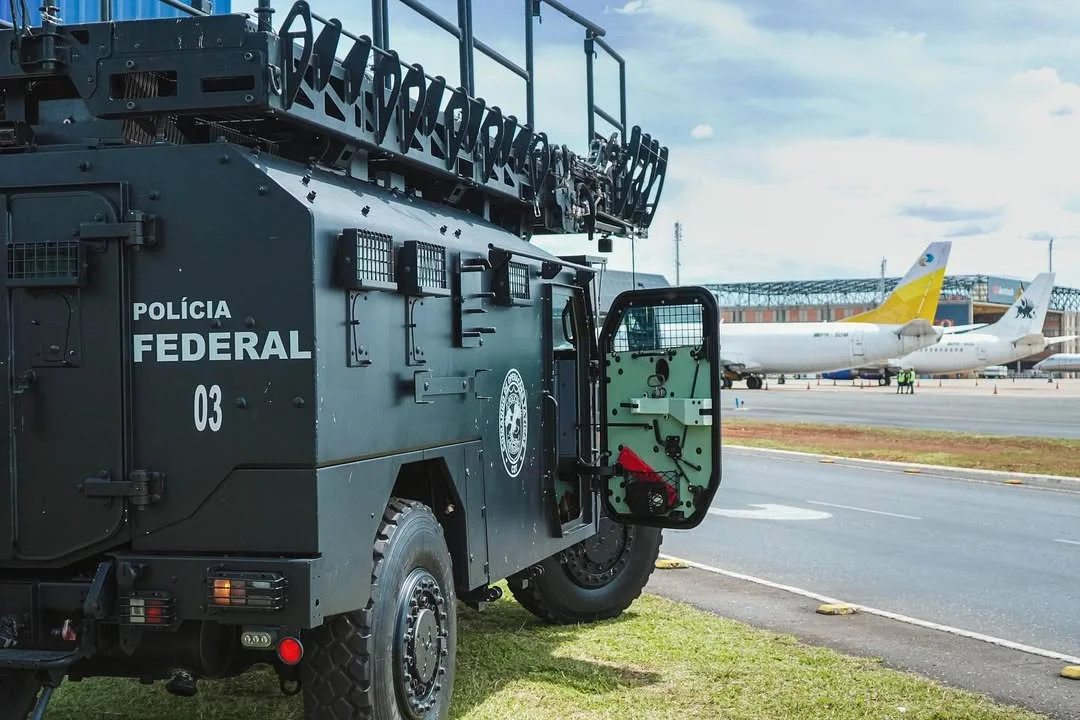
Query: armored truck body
[[281, 393]]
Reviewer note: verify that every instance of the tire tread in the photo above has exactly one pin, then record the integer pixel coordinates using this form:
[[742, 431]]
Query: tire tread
[[337, 674]]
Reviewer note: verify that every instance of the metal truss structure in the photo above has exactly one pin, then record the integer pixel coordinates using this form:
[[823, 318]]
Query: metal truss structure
[[861, 291]]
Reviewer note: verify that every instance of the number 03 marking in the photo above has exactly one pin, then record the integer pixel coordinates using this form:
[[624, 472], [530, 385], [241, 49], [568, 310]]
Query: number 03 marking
[[207, 408]]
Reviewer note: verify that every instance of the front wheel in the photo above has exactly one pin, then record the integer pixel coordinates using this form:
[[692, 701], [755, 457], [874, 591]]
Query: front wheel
[[597, 579], [395, 659], [18, 694]]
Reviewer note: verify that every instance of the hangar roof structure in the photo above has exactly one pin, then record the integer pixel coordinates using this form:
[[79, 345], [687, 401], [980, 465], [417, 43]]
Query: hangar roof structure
[[861, 290]]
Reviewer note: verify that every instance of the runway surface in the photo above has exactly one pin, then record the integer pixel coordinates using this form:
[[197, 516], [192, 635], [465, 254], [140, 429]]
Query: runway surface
[[997, 560], [1019, 408]]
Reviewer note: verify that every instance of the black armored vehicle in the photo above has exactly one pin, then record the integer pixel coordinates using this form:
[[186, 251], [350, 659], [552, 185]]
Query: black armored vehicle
[[289, 378]]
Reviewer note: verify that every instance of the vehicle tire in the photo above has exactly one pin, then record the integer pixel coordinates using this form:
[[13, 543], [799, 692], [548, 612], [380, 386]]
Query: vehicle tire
[[18, 694], [597, 579], [394, 659]]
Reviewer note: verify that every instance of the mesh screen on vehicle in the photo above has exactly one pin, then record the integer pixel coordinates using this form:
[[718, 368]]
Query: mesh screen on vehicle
[[44, 263], [660, 328]]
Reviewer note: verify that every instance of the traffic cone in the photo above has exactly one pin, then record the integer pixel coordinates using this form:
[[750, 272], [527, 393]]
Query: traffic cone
[[807, 386], [995, 388], [939, 382], [1057, 386]]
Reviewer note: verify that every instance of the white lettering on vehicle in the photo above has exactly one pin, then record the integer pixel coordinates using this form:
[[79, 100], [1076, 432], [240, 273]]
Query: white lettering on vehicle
[[218, 346], [183, 310], [207, 408]]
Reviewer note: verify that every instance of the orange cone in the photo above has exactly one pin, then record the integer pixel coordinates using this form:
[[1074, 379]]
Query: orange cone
[[995, 388]]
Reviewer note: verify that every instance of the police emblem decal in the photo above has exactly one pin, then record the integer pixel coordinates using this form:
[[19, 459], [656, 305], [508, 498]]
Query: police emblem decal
[[513, 423]]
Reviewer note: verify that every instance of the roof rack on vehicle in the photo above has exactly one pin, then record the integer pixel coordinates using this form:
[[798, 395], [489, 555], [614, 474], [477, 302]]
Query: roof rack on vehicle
[[370, 114]]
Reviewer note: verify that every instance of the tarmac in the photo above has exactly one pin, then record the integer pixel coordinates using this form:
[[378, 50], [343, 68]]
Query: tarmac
[[1030, 407], [971, 583]]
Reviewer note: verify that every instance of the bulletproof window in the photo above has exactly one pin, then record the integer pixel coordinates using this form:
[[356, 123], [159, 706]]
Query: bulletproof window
[[660, 327], [365, 260], [53, 263], [423, 269], [519, 281]]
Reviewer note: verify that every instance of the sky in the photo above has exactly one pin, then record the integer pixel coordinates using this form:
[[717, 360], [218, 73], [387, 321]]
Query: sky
[[811, 139]]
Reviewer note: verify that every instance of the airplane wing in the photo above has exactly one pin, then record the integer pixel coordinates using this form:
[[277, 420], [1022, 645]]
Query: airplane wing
[[956, 329]]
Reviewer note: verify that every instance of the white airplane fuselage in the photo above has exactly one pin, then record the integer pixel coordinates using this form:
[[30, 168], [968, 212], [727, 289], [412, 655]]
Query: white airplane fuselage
[[1060, 362], [969, 351], [813, 347]]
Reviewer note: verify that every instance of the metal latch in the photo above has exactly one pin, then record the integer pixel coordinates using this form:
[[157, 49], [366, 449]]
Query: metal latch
[[688, 411], [141, 488], [139, 230]]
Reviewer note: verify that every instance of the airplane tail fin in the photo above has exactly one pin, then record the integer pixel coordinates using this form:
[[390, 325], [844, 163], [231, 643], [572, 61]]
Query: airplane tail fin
[[917, 295], [1026, 315]]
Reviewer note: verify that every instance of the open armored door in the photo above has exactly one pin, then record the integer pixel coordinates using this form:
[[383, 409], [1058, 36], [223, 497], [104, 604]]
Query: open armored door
[[659, 406]]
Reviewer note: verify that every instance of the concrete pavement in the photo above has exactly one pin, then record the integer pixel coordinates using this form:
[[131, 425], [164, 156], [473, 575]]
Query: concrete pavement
[[993, 560], [999, 560]]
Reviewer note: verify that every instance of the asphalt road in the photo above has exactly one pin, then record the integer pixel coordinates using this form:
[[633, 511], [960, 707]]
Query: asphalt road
[[997, 560], [1043, 415]]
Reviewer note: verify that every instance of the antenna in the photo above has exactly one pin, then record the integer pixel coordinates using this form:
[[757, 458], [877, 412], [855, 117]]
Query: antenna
[[884, 262], [678, 242]]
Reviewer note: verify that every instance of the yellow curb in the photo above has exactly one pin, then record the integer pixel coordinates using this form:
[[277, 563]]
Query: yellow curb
[[835, 609], [671, 564], [826, 460], [1071, 671], [913, 471], [1013, 481]]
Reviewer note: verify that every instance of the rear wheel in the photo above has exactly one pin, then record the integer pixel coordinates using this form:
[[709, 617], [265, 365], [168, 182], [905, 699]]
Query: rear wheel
[[18, 694], [393, 660], [597, 579]]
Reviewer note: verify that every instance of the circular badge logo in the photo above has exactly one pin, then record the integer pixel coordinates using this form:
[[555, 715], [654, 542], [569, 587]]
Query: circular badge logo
[[513, 423]]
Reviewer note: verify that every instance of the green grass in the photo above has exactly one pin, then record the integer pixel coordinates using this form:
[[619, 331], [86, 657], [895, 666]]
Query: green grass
[[1038, 455], [660, 660]]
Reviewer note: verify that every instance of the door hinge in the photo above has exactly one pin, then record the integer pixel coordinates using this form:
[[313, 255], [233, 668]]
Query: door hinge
[[139, 230], [142, 487]]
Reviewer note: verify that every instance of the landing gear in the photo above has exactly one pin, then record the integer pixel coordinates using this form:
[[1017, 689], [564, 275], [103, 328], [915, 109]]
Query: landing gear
[[884, 381], [726, 383], [753, 382], [410, 625], [597, 579], [18, 694]]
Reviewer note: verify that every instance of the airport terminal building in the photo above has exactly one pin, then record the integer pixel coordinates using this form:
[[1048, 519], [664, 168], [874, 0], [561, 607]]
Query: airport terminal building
[[965, 299]]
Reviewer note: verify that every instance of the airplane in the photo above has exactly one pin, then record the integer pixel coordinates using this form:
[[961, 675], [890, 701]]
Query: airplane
[[1015, 336], [901, 324], [1059, 362]]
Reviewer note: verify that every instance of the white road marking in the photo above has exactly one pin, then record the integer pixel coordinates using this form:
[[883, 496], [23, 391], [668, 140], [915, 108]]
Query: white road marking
[[772, 512], [865, 510], [1053, 655], [1069, 542]]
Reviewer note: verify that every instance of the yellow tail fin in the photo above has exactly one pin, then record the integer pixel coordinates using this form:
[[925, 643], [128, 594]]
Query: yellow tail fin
[[917, 295]]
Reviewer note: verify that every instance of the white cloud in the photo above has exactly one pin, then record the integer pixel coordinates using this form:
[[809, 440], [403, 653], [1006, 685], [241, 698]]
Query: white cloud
[[701, 132], [820, 138]]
